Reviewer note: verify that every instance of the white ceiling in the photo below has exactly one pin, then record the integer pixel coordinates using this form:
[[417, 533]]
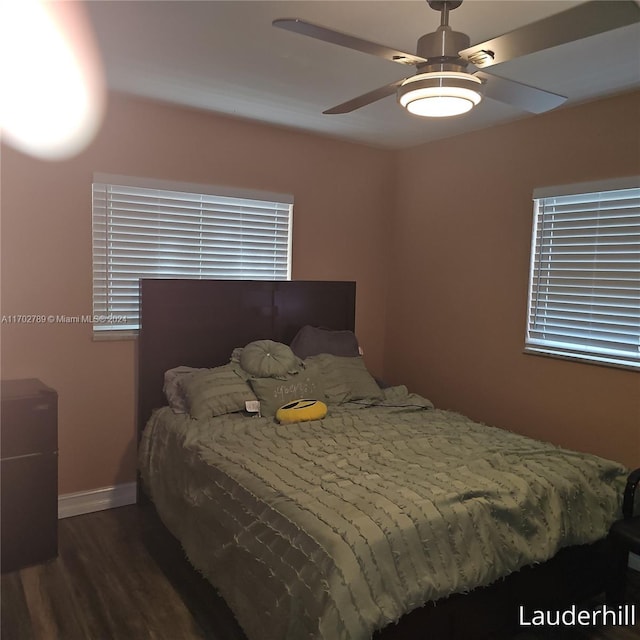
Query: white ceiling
[[226, 57]]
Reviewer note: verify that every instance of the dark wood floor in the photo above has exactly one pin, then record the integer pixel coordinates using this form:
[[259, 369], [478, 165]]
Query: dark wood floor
[[119, 576], [107, 583]]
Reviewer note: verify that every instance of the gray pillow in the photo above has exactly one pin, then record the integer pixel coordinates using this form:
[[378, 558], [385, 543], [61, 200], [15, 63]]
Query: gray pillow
[[173, 389], [311, 341], [214, 392], [273, 392], [269, 359], [346, 378]]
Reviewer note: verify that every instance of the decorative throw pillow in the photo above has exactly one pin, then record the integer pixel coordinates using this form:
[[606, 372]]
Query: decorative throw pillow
[[274, 393], [269, 359], [346, 378], [301, 411], [214, 392], [311, 341]]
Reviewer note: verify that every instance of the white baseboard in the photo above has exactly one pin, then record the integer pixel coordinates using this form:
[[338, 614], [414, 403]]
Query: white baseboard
[[75, 504]]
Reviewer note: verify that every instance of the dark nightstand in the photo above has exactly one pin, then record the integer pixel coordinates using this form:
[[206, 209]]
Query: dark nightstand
[[29, 473]]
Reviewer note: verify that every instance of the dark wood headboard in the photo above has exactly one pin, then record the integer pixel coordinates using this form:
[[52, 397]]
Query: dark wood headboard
[[198, 323]]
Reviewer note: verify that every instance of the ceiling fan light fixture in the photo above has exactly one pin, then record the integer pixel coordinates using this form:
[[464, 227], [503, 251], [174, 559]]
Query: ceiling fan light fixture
[[440, 94]]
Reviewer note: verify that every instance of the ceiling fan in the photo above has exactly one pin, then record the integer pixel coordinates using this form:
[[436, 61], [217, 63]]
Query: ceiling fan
[[442, 86]]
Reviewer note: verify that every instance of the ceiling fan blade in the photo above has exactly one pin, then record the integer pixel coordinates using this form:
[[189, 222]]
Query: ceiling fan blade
[[588, 19], [345, 40], [518, 94], [365, 99]]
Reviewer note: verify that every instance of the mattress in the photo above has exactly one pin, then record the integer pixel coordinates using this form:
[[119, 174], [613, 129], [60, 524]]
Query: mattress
[[334, 528]]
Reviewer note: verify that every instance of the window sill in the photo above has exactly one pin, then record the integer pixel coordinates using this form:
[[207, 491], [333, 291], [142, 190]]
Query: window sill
[[116, 335], [581, 359]]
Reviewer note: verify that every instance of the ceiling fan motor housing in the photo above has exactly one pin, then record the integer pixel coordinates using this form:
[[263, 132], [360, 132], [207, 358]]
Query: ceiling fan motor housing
[[441, 47], [439, 5]]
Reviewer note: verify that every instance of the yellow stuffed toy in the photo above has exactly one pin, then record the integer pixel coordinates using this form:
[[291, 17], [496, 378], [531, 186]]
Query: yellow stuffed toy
[[301, 410]]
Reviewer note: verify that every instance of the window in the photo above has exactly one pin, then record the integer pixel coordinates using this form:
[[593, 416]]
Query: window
[[584, 287], [153, 229]]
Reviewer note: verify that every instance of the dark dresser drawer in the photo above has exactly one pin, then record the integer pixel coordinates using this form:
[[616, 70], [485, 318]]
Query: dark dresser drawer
[[29, 409], [29, 525], [29, 473]]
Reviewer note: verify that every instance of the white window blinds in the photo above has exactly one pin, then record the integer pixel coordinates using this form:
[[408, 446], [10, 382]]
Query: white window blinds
[[584, 288], [152, 229]]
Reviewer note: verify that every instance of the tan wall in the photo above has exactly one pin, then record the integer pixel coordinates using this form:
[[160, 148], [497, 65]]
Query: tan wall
[[457, 270], [458, 284], [343, 196]]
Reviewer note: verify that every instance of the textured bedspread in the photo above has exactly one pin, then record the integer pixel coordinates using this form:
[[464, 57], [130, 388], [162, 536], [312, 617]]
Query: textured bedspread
[[334, 528]]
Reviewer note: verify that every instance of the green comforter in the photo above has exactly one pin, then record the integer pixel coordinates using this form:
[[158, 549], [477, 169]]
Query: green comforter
[[334, 528]]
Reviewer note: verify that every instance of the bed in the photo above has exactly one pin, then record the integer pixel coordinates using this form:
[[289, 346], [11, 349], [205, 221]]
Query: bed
[[388, 517]]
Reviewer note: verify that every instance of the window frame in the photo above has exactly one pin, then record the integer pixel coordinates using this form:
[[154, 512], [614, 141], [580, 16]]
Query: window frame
[[278, 208], [577, 351]]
